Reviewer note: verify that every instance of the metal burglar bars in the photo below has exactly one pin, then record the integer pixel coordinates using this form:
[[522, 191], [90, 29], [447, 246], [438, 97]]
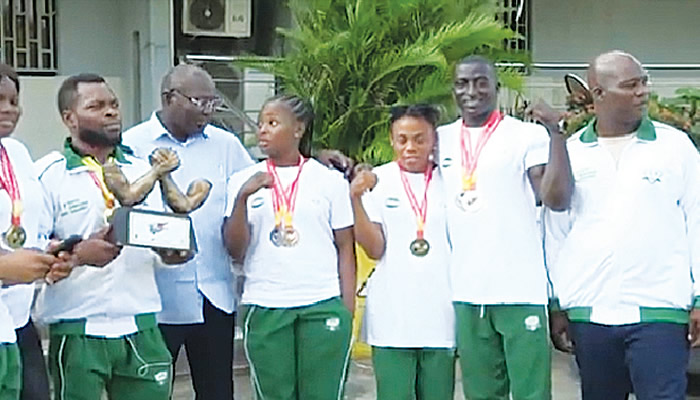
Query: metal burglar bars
[[28, 35], [514, 15]]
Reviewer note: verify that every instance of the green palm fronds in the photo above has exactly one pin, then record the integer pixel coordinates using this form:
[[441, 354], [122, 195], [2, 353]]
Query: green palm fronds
[[354, 59]]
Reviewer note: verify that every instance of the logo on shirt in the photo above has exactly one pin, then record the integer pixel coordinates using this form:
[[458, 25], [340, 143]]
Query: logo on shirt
[[392, 202], [652, 176], [584, 173], [257, 202], [73, 206], [446, 162]]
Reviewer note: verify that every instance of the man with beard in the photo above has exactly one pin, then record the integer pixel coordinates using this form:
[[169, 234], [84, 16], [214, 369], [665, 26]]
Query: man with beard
[[494, 171], [625, 256], [199, 298], [102, 324]]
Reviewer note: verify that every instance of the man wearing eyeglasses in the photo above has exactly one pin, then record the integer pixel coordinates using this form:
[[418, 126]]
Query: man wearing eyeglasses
[[198, 299]]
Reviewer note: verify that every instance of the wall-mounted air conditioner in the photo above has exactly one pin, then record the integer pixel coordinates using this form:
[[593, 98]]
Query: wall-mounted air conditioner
[[223, 18]]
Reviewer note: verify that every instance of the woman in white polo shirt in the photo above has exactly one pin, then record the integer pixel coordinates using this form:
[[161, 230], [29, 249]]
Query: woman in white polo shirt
[[20, 198], [401, 223], [291, 226]]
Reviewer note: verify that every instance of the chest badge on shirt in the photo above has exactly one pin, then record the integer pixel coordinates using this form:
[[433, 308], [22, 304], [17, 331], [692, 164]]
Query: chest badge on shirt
[[652, 176], [257, 202], [446, 162], [391, 202]]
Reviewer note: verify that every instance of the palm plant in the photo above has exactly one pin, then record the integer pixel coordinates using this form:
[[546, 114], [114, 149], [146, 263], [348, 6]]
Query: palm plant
[[354, 59]]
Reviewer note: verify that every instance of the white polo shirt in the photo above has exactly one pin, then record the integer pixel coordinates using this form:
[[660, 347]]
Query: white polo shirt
[[409, 303], [629, 246], [18, 298], [496, 249], [283, 277], [215, 155], [108, 297]]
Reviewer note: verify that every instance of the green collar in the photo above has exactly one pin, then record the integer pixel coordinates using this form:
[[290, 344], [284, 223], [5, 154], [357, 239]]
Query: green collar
[[74, 159], [646, 131]]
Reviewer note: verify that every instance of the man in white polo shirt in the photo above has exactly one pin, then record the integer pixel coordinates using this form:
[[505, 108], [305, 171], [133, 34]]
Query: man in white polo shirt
[[494, 170], [625, 256], [199, 298], [103, 331]]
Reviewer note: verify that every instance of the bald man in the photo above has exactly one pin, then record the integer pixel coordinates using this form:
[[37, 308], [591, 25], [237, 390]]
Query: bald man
[[199, 299], [623, 256]]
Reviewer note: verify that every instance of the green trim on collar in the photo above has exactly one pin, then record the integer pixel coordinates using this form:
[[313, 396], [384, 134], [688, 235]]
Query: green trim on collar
[[74, 159], [646, 131], [646, 314], [696, 302]]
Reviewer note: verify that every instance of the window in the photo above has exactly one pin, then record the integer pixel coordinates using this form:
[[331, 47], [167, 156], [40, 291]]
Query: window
[[28, 35], [514, 15]]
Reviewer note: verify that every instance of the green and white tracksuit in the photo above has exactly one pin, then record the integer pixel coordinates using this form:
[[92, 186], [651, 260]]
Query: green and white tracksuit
[[499, 281], [103, 332], [628, 248]]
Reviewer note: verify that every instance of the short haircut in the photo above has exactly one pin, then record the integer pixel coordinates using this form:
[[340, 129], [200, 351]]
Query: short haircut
[[477, 59], [69, 89], [8, 72], [427, 112], [301, 108], [166, 84]]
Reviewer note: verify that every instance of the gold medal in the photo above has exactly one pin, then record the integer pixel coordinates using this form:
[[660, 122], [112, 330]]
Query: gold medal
[[290, 237], [420, 247], [15, 237]]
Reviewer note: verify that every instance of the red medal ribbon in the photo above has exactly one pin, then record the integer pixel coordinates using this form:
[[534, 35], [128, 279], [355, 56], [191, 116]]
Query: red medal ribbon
[[470, 156], [9, 183], [420, 210], [284, 200]]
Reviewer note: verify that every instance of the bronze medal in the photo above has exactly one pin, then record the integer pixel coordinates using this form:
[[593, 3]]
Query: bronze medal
[[15, 237], [420, 247]]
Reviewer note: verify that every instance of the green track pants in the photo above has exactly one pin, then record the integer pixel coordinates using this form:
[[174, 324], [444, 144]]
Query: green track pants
[[504, 349], [414, 373], [299, 353]]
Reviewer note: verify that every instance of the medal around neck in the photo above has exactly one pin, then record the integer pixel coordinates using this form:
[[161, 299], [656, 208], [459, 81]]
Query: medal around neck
[[284, 237], [420, 247], [145, 228], [468, 201], [284, 202], [15, 237]]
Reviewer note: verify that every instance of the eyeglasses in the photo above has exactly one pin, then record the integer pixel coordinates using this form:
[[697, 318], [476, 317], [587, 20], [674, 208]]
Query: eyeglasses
[[209, 104]]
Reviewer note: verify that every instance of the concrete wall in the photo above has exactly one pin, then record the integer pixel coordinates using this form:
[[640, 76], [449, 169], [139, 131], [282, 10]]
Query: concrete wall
[[575, 31], [656, 31]]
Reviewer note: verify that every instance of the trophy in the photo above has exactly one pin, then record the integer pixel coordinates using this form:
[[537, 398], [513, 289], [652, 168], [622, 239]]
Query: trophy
[[154, 229]]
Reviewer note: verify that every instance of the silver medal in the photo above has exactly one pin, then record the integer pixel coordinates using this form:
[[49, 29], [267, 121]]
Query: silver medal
[[468, 201]]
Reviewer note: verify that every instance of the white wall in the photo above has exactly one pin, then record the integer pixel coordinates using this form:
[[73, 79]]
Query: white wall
[[98, 36]]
